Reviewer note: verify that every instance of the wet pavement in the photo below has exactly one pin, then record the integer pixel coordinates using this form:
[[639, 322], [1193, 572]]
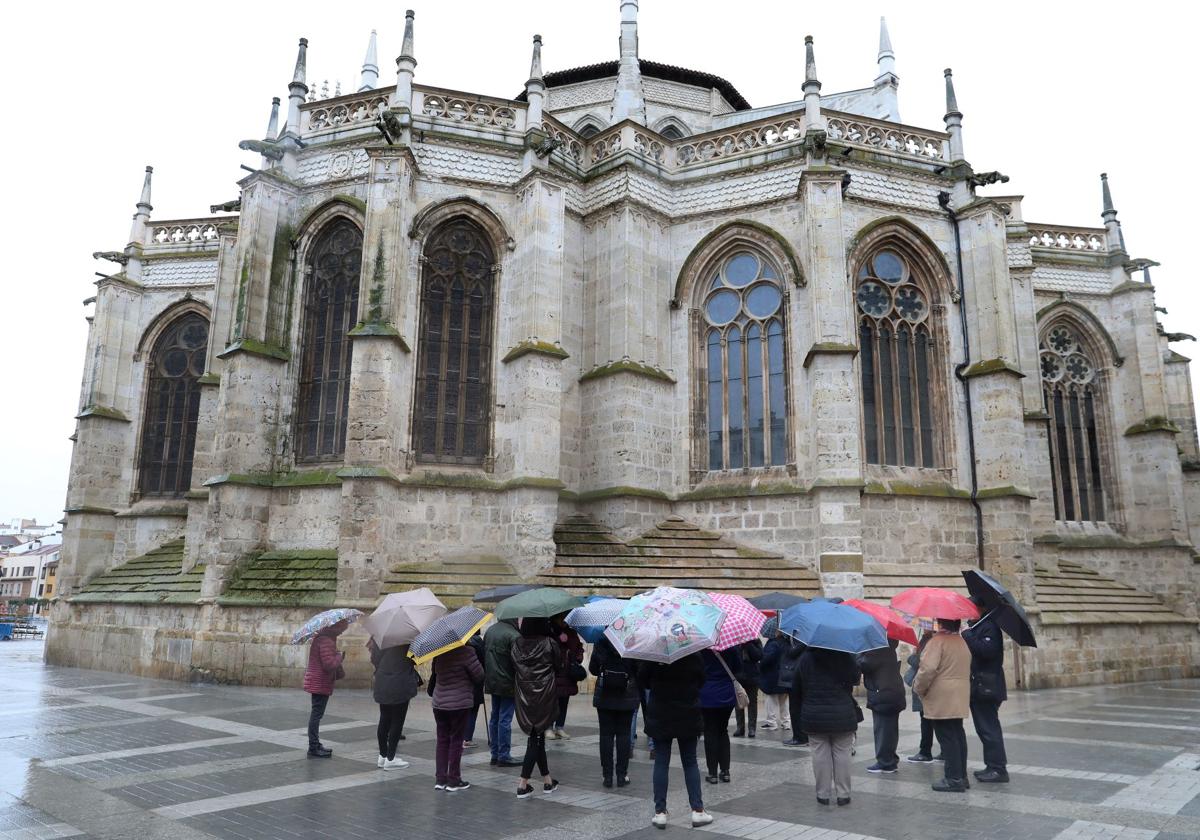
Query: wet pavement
[[93, 754]]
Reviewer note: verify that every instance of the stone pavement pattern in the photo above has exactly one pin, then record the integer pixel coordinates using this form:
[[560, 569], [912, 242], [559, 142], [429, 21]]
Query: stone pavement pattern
[[93, 754]]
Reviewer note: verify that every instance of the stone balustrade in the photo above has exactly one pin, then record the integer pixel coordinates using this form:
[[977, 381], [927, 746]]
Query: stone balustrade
[[887, 137], [356, 108], [175, 233], [468, 109], [1064, 238]]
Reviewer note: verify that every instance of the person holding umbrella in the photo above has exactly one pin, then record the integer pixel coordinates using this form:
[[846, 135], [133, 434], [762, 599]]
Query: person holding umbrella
[[324, 667], [395, 684], [569, 674], [455, 674], [747, 719], [499, 682], [673, 716], [536, 660], [615, 699], [988, 691], [885, 698], [944, 686], [776, 698], [718, 699], [789, 678]]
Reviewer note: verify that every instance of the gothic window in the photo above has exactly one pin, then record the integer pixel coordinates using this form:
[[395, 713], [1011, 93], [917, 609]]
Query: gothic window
[[330, 312], [897, 355], [172, 406], [454, 361], [1071, 390], [672, 132], [743, 363]]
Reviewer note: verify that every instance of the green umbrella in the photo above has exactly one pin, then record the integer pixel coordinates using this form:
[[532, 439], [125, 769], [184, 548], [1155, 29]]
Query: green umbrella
[[538, 603]]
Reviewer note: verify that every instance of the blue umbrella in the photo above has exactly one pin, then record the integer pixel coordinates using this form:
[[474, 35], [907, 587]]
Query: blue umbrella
[[590, 620], [824, 624]]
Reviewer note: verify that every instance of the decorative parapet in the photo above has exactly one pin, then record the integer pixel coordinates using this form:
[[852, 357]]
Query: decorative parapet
[[604, 145], [355, 109], [570, 142], [883, 136], [744, 139], [1063, 238], [182, 233], [468, 109]]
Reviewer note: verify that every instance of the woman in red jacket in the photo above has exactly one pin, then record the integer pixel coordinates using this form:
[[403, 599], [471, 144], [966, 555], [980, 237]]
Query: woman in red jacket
[[324, 668], [455, 674]]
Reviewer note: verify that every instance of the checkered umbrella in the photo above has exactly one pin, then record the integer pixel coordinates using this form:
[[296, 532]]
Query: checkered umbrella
[[447, 633], [591, 619], [743, 621]]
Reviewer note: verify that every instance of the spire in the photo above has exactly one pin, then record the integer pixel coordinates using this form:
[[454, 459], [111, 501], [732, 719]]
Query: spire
[[886, 81], [535, 66], [629, 102], [370, 68], [811, 88], [296, 90], [885, 44], [953, 120], [137, 232], [406, 64], [1116, 237], [535, 88], [406, 49], [273, 122]]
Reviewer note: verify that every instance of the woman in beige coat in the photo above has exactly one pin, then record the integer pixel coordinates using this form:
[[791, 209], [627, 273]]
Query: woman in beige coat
[[943, 683]]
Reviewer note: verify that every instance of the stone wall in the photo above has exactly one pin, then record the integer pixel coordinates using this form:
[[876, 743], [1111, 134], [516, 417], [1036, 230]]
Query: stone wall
[[917, 530], [786, 524], [1095, 654]]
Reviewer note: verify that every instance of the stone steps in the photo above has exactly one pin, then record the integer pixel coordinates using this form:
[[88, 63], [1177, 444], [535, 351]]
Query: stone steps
[[1073, 594], [153, 578]]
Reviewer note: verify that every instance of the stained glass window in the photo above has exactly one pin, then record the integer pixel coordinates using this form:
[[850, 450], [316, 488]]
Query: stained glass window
[[330, 311], [172, 407], [743, 350], [454, 366], [1070, 388]]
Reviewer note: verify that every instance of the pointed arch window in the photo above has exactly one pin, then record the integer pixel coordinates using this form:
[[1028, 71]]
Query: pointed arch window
[[744, 362], [897, 357], [1071, 391], [454, 362], [330, 312], [172, 408]]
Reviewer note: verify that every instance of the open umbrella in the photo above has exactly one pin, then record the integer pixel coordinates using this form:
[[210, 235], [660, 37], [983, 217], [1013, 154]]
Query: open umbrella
[[933, 602], [322, 620], [824, 624], [776, 601], [498, 593], [665, 625], [447, 633], [770, 627], [544, 602], [893, 623], [1002, 605], [743, 621], [402, 615], [592, 618]]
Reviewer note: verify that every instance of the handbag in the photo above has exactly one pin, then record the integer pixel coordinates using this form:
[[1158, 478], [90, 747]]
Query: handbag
[[615, 681], [739, 694], [577, 672]]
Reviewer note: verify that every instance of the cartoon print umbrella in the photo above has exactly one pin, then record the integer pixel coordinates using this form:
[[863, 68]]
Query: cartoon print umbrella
[[498, 593], [402, 615], [996, 599], [933, 602], [592, 618], [893, 623], [543, 602], [447, 633], [743, 621], [322, 620], [824, 624], [665, 625]]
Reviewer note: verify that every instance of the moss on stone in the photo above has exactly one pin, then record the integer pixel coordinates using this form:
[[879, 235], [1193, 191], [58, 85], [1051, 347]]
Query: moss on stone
[[1152, 424], [988, 366], [103, 411], [209, 379], [306, 478], [255, 348], [930, 489], [367, 472], [829, 348], [155, 577], [743, 489], [468, 481], [627, 366], [379, 330], [543, 348], [1006, 491], [244, 479], [621, 491]]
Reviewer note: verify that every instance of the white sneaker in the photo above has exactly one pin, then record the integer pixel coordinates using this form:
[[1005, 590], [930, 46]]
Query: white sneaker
[[700, 818], [379, 762], [396, 763], [659, 820]]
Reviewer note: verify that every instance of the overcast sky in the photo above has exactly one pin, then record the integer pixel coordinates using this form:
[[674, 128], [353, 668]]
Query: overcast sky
[[1053, 93]]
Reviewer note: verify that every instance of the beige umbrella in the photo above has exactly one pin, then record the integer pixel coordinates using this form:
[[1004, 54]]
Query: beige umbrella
[[403, 615]]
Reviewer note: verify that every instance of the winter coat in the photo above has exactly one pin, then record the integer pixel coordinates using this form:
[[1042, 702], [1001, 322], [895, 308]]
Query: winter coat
[[914, 663], [535, 668], [944, 678], [395, 676], [324, 664], [789, 666], [881, 677], [718, 688], [571, 653], [498, 661], [456, 672], [827, 681], [986, 643], [752, 654], [768, 668], [606, 660], [475, 643], [673, 710]]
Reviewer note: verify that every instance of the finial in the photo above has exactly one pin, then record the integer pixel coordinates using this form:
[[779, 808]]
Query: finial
[[535, 67], [297, 91], [951, 100], [886, 80], [1108, 202], [301, 60], [337, 88], [885, 42], [370, 68], [273, 123], [325, 89], [629, 101], [810, 62], [138, 230], [143, 204], [1116, 236], [953, 120], [406, 50]]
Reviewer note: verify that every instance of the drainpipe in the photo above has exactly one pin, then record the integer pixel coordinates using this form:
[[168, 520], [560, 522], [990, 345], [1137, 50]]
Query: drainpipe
[[944, 200]]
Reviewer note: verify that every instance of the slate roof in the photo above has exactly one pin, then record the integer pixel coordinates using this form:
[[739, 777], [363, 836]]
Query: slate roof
[[653, 69]]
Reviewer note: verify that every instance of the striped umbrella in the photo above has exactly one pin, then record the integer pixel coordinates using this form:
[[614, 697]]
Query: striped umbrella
[[743, 621], [322, 620], [591, 619], [447, 633]]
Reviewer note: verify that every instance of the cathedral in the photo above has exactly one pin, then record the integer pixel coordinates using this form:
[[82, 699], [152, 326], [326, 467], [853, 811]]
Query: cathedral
[[621, 329]]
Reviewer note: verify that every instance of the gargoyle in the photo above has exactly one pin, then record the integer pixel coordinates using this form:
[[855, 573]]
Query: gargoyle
[[1179, 337], [846, 180], [266, 148], [111, 256], [983, 179], [390, 126], [226, 207], [547, 146], [814, 143]]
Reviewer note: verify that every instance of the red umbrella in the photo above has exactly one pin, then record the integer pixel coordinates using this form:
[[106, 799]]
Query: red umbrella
[[891, 620], [931, 602]]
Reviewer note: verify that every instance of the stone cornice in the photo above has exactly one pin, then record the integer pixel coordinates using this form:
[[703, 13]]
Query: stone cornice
[[93, 510], [1151, 425], [541, 348], [630, 367], [385, 331], [829, 348], [103, 412], [255, 348], [987, 367]]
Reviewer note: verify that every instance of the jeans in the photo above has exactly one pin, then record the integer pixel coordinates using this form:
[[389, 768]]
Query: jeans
[[535, 753], [613, 726], [391, 727], [926, 745], [748, 718], [831, 763], [986, 714], [716, 739], [645, 703], [561, 720], [887, 736], [450, 726], [472, 719], [953, 740], [500, 726], [319, 702], [691, 772]]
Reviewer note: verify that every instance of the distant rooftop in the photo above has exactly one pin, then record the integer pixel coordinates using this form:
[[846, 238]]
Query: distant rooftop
[[654, 69]]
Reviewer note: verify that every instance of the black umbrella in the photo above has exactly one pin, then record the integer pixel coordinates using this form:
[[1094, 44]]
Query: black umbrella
[[778, 601], [498, 593], [997, 601]]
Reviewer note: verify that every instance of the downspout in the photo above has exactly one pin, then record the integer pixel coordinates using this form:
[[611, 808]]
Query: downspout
[[959, 369]]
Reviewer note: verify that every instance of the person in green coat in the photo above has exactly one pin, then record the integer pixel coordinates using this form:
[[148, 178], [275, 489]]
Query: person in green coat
[[499, 682]]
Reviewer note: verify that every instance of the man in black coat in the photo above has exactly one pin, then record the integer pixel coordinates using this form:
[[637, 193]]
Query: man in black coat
[[747, 719], [988, 691], [885, 699], [789, 678]]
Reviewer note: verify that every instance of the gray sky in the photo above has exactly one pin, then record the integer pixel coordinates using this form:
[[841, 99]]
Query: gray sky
[[1053, 93]]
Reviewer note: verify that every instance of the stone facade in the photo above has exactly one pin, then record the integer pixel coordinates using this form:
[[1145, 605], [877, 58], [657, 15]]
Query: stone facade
[[607, 197]]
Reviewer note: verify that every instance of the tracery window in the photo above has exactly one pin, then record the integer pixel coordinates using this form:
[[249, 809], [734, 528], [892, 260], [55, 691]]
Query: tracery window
[[454, 365], [1071, 390], [330, 312], [744, 364], [588, 130], [897, 355], [672, 132], [172, 407]]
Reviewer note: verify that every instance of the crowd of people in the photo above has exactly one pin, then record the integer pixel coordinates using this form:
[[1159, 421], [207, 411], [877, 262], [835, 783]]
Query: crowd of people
[[532, 667]]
